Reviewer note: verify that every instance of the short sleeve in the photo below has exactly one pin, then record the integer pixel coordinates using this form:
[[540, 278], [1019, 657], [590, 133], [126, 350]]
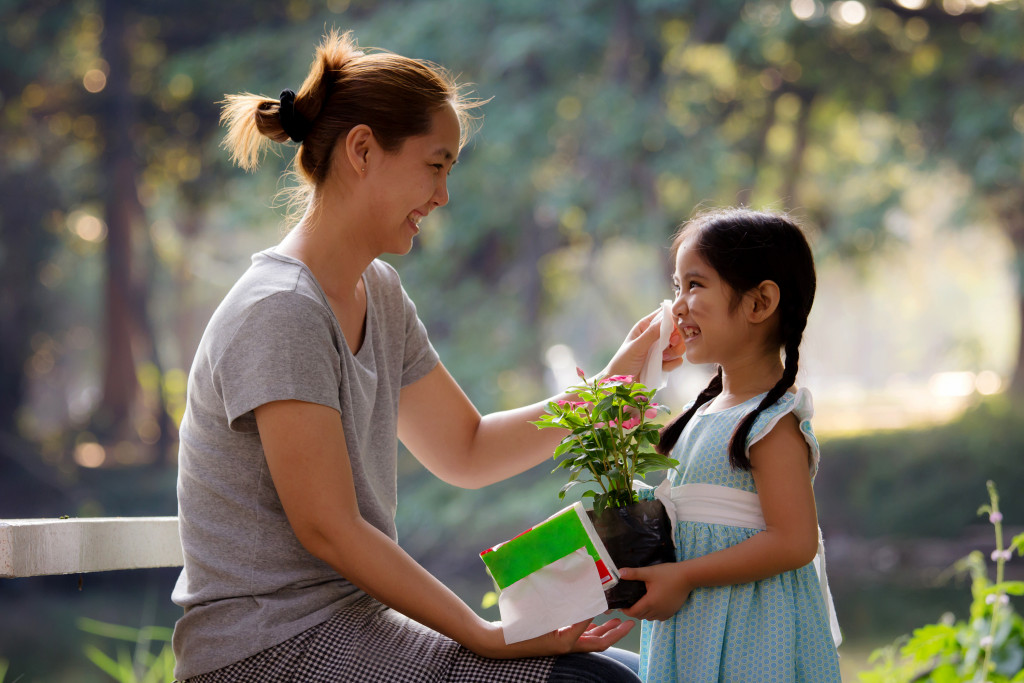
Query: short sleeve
[[802, 406], [284, 349], [420, 356]]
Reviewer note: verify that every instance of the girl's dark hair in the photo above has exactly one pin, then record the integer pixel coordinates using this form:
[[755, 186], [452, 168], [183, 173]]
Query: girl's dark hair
[[394, 95], [746, 248]]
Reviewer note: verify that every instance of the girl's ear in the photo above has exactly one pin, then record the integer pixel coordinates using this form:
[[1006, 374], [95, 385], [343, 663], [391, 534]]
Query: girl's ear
[[761, 302], [358, 144]]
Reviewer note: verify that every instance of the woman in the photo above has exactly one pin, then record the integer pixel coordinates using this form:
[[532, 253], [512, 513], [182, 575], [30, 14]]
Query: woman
[[309, 371]]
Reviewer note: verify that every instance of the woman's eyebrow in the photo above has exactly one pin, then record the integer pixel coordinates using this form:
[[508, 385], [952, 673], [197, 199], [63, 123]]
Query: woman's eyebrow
[[446, 153]]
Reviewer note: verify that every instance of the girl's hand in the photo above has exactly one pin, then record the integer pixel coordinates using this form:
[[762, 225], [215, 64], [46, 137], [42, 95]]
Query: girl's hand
[[667, 590], [629, 359], [582, 637]]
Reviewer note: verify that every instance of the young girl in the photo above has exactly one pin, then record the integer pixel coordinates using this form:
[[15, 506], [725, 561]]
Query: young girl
[[744, 602]]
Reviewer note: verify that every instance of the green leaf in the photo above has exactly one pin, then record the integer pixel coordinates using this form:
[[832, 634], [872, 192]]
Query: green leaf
[[103, 662], [931, 641], [565, 489], [563, 448], [604, 409]]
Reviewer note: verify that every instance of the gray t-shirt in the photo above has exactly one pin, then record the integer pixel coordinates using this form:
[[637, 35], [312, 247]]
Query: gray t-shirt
[[248, 583]]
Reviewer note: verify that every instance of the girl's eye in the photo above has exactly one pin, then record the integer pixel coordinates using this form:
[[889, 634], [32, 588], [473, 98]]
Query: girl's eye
[[693, 283]]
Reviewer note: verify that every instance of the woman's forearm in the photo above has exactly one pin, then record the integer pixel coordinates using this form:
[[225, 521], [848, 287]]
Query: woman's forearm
[[377, 565]]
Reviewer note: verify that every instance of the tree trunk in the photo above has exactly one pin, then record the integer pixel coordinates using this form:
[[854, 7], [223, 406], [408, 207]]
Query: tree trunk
[[120, 385], [796, 158], [1015, 229]]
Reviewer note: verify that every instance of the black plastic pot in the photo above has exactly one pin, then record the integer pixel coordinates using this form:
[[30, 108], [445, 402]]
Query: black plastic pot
[[636, 535]]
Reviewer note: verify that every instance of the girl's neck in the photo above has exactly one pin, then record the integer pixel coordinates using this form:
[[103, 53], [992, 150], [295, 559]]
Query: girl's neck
[[742, 382]]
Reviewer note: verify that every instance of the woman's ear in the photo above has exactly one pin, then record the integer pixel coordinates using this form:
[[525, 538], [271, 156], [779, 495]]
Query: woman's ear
[[762, 301], [358, 144]]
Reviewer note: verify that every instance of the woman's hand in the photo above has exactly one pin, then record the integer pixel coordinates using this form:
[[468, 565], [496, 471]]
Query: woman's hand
[[582, 637], [630, 358], [667, 590]]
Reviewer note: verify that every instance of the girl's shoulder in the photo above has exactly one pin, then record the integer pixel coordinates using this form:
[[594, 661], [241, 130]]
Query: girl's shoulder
[[801, 405]]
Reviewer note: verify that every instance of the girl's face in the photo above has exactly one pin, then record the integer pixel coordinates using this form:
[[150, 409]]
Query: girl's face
[[413, 181], [713, 327]]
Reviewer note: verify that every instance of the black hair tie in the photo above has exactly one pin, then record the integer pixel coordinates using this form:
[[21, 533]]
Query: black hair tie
[[293, 123]]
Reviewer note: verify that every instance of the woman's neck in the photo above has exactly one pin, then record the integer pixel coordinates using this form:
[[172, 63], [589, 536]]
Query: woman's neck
[[327, 240]]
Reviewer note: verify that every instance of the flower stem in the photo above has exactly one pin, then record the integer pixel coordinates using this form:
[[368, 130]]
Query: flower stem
[[997, 522]]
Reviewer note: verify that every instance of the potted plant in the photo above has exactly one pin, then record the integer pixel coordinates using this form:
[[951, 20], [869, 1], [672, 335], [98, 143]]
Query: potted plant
[[610, 442]]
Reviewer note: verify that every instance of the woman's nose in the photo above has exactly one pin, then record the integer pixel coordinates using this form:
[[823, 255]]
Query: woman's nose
[[441, 192]]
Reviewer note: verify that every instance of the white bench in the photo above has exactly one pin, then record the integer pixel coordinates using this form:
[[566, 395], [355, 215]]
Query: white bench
[[40, 547]]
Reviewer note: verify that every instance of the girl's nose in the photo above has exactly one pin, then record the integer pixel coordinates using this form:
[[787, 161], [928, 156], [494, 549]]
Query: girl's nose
[[679, 307]]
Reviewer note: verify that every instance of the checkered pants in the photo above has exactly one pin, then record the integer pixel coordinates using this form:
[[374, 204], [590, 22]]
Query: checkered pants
[[368, 642]]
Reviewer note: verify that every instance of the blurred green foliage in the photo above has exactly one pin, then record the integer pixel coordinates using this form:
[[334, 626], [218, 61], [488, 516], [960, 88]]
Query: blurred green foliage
[[138, 664], [608, 123], [920, 482], [986, 647]]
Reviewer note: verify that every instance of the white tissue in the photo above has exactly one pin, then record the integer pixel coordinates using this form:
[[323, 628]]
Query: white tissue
[[562, 593], [652, 375]]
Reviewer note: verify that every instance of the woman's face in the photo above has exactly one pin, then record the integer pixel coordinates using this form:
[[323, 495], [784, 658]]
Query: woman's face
[[410, 183]]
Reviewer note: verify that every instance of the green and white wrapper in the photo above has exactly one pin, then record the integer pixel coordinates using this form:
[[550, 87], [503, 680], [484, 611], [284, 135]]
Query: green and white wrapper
[[551, 575]]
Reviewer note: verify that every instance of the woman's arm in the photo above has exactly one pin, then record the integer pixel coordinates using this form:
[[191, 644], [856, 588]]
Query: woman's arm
[[790, 540], [440, 426], [306, 451]]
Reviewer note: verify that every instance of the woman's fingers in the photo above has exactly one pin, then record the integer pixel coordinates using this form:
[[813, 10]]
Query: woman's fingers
[[599, 637]]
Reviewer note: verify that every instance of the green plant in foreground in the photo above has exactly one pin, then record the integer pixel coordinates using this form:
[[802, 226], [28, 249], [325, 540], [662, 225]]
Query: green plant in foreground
[[988, 648], [144, 666], [611, 440]]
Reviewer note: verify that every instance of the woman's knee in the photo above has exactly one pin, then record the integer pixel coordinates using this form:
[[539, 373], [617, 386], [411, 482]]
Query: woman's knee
[[612, 666]]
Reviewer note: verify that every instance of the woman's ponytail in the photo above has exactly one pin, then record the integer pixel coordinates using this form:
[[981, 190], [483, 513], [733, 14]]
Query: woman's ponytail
[[395, 96]]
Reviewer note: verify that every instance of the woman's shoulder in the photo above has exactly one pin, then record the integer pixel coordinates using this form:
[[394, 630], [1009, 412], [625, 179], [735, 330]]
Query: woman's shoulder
[[384, 273]]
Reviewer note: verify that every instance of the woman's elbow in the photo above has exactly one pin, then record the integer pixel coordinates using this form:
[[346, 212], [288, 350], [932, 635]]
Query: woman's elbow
[[314, 538], [324, 538]]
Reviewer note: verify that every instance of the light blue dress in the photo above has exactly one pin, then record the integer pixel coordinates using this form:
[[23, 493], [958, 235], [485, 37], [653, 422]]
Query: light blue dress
[[776, 630]]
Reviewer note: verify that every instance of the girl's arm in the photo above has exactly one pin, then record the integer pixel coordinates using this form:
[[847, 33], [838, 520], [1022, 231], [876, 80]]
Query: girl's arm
[[440, 426], [790, 540], [306, 451]]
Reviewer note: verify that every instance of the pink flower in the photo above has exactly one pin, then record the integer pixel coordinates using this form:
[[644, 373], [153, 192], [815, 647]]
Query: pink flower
[[579, 371], [631, 423], [1005, 555], [995, 517], [599, 425], [651, 413]]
